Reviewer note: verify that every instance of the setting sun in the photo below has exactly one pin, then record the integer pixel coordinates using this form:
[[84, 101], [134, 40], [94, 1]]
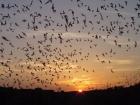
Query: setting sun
[[80, 90]]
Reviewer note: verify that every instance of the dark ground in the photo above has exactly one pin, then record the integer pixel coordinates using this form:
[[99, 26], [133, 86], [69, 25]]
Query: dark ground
[[112, 96]]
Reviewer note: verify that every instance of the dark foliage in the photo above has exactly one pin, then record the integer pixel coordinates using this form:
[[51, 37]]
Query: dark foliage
[[111, 96]]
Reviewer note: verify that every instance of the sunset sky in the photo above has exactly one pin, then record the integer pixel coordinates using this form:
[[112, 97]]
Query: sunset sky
[[69, 44]]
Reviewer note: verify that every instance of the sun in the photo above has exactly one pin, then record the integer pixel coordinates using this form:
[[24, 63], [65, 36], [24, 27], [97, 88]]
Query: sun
[[80, 90]]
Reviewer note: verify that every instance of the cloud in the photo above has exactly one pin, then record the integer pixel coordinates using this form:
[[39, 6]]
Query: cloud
[[75, 35], [123, 61], [64, 34], [123, 13]]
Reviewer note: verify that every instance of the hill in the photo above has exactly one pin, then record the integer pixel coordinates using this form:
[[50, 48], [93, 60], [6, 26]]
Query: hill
[[110, 96]]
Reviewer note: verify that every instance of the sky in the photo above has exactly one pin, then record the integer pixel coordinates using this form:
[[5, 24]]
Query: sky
[[69, 44]]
